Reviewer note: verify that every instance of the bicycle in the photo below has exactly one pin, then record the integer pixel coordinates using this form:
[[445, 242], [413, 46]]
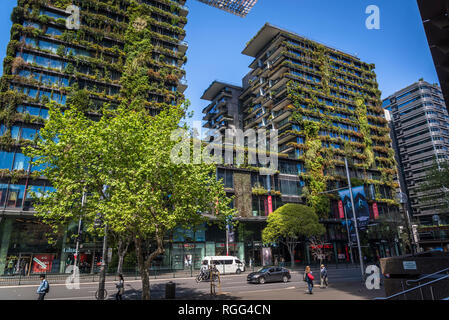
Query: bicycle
[[205, 277], [97, 294]]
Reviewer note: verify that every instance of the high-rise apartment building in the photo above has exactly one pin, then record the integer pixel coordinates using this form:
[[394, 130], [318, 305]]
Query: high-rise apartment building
[[326, 107], [420, 124], [57, 55]]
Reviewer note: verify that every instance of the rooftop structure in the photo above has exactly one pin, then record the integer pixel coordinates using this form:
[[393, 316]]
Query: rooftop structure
[[238, 7]]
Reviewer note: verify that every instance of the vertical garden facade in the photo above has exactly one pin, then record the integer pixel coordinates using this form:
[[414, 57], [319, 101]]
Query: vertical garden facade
[[326, 107], [89, 64]]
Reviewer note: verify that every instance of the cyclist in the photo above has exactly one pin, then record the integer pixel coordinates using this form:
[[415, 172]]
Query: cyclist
[[204, 271]]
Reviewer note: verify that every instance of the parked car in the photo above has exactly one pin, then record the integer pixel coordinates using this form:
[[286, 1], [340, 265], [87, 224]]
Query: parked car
[[269, 274], [225, 264]]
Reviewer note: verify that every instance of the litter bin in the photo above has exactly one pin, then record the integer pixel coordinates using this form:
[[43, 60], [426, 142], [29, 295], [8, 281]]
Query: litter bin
[[170, 290]]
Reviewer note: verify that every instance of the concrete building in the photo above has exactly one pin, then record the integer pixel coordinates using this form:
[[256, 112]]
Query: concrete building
[[420, 131]]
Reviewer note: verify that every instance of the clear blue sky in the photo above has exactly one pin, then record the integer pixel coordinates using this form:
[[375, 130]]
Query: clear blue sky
[[217, 38]]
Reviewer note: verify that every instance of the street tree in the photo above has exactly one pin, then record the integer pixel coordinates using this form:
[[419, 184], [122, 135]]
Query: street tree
[[290, 223], [147, 195], [318, 249]]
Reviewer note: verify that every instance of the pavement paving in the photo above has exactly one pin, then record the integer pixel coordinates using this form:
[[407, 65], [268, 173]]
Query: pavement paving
[[344, 284]]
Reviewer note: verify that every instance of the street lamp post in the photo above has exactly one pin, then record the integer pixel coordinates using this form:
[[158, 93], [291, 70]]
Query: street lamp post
[[403, 200], [75, 260], [355, 221], [349, 236], [104, 264]]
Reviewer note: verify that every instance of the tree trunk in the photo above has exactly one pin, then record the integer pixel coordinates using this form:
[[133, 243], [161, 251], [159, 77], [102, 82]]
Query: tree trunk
[[122, 249], [144, 272], [291, 248]]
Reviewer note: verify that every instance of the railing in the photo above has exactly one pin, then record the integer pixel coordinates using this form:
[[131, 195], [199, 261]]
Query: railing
[[420, 286], [427, 276]]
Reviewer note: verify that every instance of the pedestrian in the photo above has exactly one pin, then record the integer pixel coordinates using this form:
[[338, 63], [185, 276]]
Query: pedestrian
[[308, 277], [43, 289], [323, 277], [120, 287]]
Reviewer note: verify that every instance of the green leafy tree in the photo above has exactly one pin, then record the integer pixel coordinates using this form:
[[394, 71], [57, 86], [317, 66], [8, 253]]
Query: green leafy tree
[[290, 223], [147, 195], [435, 189]]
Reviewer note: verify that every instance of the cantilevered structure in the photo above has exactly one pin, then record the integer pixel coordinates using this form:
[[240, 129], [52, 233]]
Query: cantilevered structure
[[436, 24], [238, 7]]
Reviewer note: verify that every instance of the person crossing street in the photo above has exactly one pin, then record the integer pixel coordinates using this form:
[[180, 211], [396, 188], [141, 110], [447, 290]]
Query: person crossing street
[[323, 277]]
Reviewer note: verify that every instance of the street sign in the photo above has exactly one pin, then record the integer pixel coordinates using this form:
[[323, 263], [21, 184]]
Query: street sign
[[409, 265]]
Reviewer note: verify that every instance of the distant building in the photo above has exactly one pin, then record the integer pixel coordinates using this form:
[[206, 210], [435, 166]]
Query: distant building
[[420, 133]]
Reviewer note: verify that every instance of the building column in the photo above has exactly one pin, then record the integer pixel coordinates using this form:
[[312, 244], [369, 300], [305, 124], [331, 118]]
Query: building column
[[4, 245]]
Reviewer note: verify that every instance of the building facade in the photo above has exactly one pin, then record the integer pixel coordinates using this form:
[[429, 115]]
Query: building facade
[[420, 129], [326, 106]]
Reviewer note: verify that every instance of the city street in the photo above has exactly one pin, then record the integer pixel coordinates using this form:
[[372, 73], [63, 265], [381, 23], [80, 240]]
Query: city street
[[345, 284]]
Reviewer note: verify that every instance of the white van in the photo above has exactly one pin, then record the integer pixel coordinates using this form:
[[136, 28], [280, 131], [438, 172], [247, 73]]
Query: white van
[[225, 264]]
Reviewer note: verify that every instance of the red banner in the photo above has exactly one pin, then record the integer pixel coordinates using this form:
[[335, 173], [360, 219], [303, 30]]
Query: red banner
[[270, 205], [340, 209], [42, 263], [375, 211]]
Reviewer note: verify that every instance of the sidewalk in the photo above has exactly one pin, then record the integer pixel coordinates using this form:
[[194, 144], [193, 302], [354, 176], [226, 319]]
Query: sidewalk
[[340, 291]]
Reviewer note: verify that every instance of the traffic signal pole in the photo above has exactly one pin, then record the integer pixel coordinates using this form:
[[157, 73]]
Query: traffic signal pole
[[355, 221]]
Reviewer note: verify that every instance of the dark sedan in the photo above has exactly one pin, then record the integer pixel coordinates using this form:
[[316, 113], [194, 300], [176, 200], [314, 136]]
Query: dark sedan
[[269, 274]]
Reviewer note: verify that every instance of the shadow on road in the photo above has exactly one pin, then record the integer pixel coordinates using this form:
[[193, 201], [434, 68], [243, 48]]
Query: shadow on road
[[182, 293]]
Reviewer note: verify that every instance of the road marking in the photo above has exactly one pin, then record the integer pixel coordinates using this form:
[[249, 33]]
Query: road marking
[[257, 291], [72, 298]]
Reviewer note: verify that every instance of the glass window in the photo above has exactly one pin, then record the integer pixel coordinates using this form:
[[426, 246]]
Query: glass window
[[6, 159], [3, 190], [15, 195], [28, 133], [53, 31], [21, 162], [15, 132], [44, 113]]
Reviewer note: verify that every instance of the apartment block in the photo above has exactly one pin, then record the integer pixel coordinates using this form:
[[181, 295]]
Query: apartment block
[[420, 124]]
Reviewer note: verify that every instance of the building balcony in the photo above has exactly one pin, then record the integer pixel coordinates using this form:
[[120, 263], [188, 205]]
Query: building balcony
[[183, 46], [183, 10]]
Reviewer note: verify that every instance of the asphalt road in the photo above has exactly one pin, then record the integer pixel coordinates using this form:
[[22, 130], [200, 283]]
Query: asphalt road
[[232, 287]]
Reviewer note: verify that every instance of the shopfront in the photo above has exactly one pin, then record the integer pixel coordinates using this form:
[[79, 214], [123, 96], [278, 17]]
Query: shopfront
[[24, 248]]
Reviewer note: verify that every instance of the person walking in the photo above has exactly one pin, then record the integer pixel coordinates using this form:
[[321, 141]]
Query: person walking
[[308, 277], [43, 289], [323, 277], [120, 288]]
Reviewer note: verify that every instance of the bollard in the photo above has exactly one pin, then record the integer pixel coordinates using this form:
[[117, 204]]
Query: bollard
[[170, 290]]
